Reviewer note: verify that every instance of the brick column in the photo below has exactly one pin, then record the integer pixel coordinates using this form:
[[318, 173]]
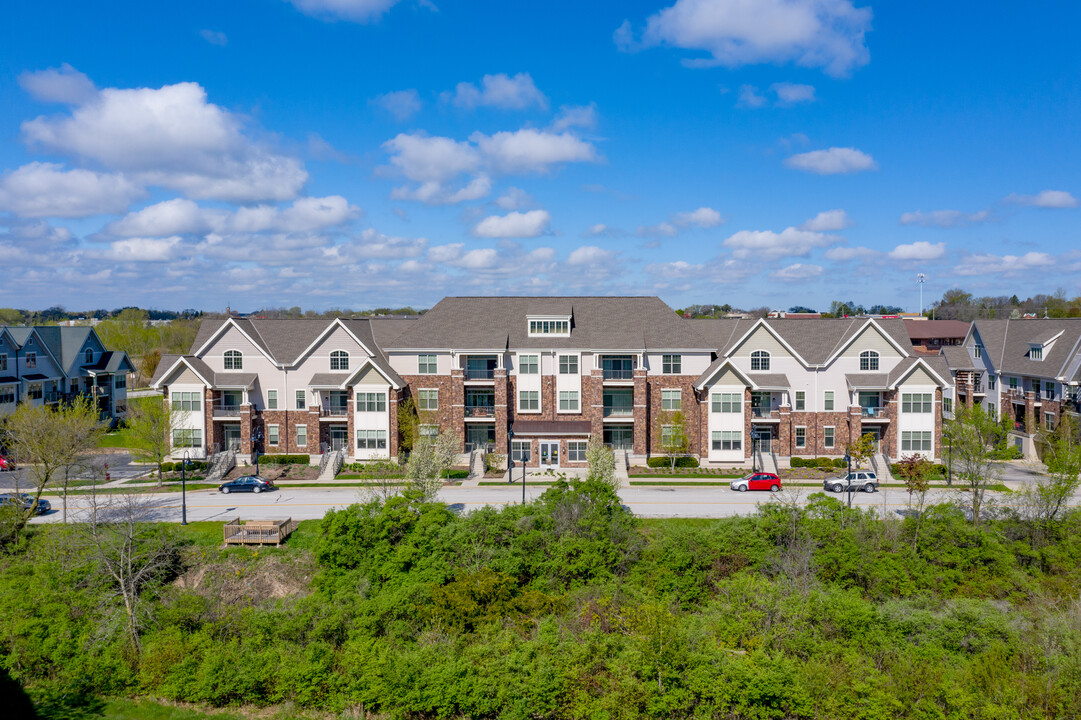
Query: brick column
[[315, 434], [1030, 412], [786, 436], [350, 430], [702, 400], [890, 436], [748, 446], [212, 438], [593, 402], [501, 418], [456, 417], [967, 388], [855, 424], [938, 424], [392, 409], [245, 429], [641, 413]]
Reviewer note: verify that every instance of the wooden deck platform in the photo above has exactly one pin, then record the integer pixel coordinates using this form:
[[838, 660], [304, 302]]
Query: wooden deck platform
[[258, 532]]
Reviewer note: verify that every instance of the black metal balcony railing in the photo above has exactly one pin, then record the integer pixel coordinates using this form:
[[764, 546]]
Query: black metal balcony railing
[[480, 411], [873, 412], [618, 411], [334, 411], [762, 412], [226, 410], [479, 373], [618, 374]]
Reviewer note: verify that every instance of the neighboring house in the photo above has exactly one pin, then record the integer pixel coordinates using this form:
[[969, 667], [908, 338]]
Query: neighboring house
[[930, 336], [47, 364], [1027, 370], [537, 377], [305, 384]]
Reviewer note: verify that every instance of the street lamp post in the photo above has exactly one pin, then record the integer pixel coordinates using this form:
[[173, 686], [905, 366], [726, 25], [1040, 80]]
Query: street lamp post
[[510, 456], [256, 446], [184, 489], [754, 451], [848, 479]]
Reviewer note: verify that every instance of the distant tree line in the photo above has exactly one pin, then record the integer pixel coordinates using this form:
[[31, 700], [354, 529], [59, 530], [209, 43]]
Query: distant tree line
[[957, 304], [297, 312], [57, 314]]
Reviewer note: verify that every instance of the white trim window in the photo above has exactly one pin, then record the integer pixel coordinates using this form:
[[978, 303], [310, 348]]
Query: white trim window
[[992, 381], [7, 394], [671, 400], [428, 431], [427, 365], [339, 360], [88, 357], [947, 405], [3, 362], [1035, 352], [428, 399], [528, 364], [726, 403], [672, 364], [371, 402], [120, 382], [827, 401], [302, 436], [869, 361], [568, 364], [568, 401], [187, 438], [977, 351], [669, 433], [725, 440], [576, 451], [371, 439], [829, 436], [31, 360], [801, 437], [916, 441], [529, 400], [233, 360], [917, 402], [35, 391], [549, 326], [520, 450], [801, 400], [272, 434], [760, 360], [271, 399], [186, 401], [302, 400]]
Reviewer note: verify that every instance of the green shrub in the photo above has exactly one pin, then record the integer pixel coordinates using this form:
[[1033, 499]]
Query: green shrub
[[284, 459], [684, 461], [824, 463], [840, 463], [168, 466], [455, 474]]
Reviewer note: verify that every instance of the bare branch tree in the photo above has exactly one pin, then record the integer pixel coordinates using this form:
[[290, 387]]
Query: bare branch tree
[[151, 423], [973, 435]]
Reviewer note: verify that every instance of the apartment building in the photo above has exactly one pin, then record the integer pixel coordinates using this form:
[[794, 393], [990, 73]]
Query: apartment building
[[1028, 370], [538, 377], [45, 365]]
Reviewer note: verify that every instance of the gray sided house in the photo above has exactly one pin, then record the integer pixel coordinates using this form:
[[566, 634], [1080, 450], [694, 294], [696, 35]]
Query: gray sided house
[[538, 377], [45, 365], [1028, 371]]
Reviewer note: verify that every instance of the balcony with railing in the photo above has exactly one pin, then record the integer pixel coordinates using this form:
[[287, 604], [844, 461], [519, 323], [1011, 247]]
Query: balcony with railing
[[479, 367], [333, 410], [480, 411], [874, 413], [765, 413], [226, 410], [480, 373], [618, 411], [617, 367]]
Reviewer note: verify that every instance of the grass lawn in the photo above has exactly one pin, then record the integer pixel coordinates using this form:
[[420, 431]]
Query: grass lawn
[[123, 709], [677, 483], [660, 476], [518, 482], [117, 439]]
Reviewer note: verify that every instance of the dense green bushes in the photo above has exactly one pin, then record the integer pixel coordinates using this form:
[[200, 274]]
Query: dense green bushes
[[193, 466], [284, 459], [570, 607], [683, 461], [823, 463]]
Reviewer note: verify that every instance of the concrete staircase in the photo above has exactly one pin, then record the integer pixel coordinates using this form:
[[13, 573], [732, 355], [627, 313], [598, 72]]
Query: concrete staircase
[[330, 464], [622, 474], [476, 466], [220, 465], [881, 464], [767, 462]]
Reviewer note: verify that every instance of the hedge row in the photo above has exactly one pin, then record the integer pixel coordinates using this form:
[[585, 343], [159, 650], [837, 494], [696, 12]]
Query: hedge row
[[824, 463], [284, 459], [193, 465], [681, 462]]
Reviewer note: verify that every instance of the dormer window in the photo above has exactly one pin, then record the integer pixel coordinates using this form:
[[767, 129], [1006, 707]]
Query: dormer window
[[540, 326], [88, 356], [234, 360], [977, 351], [760, 360], [869, 360], [339, 360], [1035, 352]]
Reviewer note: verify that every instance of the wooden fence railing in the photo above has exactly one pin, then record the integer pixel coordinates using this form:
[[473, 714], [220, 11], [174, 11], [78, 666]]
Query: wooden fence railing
[[258, 532]]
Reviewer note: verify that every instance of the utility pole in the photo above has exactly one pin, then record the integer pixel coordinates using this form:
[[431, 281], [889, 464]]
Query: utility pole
[[920, 280]]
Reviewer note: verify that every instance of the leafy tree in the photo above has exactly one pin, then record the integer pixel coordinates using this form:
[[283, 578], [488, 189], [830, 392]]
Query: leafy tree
[[973, 435], [675, 435], [1049, 495], [151, 422], [408, 423], [428, 460], [800, 309], [601, 462], [862, 450], [915, 471]]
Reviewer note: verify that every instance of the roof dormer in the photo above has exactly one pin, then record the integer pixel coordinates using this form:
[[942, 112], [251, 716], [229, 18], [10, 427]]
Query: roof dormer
[[549, 325]]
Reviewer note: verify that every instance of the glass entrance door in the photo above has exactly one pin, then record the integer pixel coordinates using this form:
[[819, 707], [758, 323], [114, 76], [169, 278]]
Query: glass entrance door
[[549, 454], [874, 432], [765, 437], [339, 436], [231, 437], [619, 437]]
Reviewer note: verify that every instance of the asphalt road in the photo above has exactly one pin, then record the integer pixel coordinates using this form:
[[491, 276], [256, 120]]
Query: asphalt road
[[120, 468], [657, 502]]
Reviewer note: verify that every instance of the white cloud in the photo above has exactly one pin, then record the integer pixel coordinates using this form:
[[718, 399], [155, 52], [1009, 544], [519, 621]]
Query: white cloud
[[661, 229], [921, 250], [174, 138], [842, 254], [446, 253], [143, 249], [812, 33], [178, 216], [944, 218], [1044, 199], [375, 244], [436, 193], [749, 97], [602, 230], [514, 199], [64, 84], [792, 94], [401, 104], [532, 151], [703, 217], [184, 217], [987, 264], [514, 225], [833, 161], [769, 245], [48, 190], [499, 91], [591, 255], [478, 259], [361, 11], [583, 116], [799, 271], [214, 37], [828, 221], [431, 159]]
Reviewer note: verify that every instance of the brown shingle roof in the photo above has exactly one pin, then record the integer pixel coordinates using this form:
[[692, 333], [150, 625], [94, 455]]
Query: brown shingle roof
[[929, 329]]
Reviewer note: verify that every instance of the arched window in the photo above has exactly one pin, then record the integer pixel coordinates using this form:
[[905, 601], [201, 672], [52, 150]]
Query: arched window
[[339, 360], [760, 360], [89, 356], [234, 360], [868, 360]]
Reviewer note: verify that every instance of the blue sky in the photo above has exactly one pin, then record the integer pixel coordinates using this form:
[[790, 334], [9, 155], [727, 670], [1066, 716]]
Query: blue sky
[[361, 153]]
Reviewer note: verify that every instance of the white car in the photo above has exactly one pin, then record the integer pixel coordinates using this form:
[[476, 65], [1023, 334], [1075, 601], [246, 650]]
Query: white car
[[864, 480]]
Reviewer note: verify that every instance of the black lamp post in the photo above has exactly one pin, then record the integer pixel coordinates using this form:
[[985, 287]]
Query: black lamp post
[[848, 479], [949, 462], [510, 456], [256, 446], [184, 489], [754, 451]]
